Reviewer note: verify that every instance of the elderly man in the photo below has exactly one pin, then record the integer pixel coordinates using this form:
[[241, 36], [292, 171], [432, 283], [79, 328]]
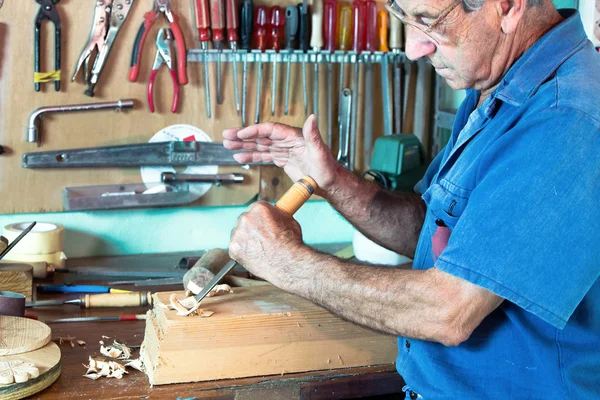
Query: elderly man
[[503, 300]]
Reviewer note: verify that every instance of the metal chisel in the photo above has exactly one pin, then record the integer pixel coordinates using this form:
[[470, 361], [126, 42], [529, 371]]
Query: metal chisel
[[289, 203]]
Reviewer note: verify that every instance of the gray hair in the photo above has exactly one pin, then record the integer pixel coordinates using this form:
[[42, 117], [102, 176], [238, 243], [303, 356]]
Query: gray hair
[[474, 5]]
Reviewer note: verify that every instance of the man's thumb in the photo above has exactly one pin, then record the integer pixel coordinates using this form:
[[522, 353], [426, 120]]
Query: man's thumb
[[310, 130]]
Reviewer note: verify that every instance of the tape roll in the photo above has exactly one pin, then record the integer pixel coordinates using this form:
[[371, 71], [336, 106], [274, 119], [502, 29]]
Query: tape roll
[[44, 238], [56, 260], [12, 304]]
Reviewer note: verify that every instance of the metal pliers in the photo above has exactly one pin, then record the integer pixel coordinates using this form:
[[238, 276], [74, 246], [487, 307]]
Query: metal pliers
[[164, 7], [109, 17], [164, 40], [47, 12]]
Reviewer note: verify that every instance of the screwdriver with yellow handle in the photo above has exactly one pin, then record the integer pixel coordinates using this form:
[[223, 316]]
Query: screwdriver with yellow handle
[[289, 203], [131, 299], [382, 45]]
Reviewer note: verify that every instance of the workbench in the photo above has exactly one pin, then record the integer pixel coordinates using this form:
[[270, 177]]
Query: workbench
[[346, 383]]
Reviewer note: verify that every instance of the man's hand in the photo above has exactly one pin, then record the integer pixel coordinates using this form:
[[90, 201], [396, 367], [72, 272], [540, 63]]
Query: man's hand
[[299, 152], [264, 240]]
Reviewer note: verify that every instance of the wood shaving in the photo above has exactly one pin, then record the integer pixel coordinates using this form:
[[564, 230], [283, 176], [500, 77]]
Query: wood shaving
[[116, 350], [98, 368], [220, 290], [63, 340], [81, 342], [187, 306], [136, 364]]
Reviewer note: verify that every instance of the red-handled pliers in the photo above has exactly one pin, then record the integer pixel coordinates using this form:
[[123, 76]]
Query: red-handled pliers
[[163, 56], [164, 7]]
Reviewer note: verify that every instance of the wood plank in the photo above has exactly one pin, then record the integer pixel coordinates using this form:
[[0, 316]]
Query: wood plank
[[255, 331], [16, 278]]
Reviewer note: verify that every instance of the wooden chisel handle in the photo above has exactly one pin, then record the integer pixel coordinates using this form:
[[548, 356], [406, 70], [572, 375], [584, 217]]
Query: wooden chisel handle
[[134, 299], [297, 195]]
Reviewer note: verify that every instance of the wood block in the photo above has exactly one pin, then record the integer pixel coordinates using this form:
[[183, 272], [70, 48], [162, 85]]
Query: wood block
[[17, 278], [254, 331]]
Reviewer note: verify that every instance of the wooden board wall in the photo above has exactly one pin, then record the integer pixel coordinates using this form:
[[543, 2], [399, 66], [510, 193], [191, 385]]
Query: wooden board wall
[[23, 190]]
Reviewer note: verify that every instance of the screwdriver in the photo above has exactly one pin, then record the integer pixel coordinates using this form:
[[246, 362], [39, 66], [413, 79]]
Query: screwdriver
[[217, 19], [303, 35], [260, 43], [203, 25], [246, 44], [316, 42], [232, 38], [358, 45], [277, 29], [291, 31], [370, 47], [396, 45], [344, 36], [330, 20], [382, 45]]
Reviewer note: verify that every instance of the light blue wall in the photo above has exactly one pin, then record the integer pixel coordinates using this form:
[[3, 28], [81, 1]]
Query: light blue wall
[[172, 230]]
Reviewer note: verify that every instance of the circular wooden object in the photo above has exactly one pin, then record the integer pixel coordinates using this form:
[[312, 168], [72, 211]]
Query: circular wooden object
[[46, 359], [21, 335]]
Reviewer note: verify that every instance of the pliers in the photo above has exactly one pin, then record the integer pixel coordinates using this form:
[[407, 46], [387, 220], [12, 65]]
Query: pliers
[[164, 40], [164, 7], [48, 12]]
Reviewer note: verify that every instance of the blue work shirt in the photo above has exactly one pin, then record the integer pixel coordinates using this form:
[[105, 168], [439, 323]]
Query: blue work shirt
[[518, 185]]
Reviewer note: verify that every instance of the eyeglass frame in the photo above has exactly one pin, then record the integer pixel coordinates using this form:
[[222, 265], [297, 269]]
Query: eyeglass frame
[[392, 7]]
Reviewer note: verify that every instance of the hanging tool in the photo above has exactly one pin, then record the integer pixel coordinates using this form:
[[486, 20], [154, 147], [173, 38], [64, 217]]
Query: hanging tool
[[135, 155], [344, 127], [217, 24], [344, 39], [316, 42], [109, 17], [160, 7], [277, 26], [370, 47], [303, 44], [47, 12], [246, 21], [132, 299], [396, 46], [291, 31], [329, 31], [232, 38], [358, 45], [382, 44], [260, 43], [289, 203], [203, 26], [218, 180], [164, 40]]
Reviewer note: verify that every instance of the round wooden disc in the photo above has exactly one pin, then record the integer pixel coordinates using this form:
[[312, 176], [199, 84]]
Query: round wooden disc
[[47, 361], [20, 335]]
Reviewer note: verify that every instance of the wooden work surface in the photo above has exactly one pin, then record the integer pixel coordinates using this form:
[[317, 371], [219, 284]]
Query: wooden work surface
[[23, 190], [332, 384]]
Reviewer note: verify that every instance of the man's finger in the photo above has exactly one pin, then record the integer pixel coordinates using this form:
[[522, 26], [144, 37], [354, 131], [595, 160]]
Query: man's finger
[[231, 133], [274, 131], [244, 158]]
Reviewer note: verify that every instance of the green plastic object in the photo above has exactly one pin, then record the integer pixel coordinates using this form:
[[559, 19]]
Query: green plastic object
[[401, 159]]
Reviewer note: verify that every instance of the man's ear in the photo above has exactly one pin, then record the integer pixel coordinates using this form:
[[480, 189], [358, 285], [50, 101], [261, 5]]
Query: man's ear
[[511, 12]]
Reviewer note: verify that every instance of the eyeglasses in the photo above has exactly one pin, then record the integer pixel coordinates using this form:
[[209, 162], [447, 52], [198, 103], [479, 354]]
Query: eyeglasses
[[428, 28]]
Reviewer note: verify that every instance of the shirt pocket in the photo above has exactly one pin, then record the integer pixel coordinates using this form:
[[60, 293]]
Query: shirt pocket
[[446, 201]]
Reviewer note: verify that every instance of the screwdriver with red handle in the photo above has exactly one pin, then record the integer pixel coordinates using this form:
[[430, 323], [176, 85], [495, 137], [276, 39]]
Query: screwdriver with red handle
[[232, 38], [382, 39], [277, 26], [370, 47], [260, 43], [358, 45], [217, 23], [329, 31], [246, 21], [203, 25]]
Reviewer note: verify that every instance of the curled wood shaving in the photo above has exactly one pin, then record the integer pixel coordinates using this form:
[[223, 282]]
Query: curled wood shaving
[[81, 342], [116, 350], [98, 368], [136, 364], [220, 290], [187, 306]]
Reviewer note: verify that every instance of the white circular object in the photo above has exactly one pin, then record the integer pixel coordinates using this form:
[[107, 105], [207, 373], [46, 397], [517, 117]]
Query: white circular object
[[368, 251], [44, 238], [151, 175]]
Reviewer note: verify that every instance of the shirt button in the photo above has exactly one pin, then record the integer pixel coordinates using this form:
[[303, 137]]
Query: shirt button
[[407, 344]]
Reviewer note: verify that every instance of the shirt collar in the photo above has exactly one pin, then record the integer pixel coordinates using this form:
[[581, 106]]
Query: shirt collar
[[541, 60]]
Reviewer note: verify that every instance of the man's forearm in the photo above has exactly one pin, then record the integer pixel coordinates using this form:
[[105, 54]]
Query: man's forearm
[[392, 220]]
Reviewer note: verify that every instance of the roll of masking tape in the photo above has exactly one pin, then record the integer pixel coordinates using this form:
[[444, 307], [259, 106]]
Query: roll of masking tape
[[44, 238], [56, 260]]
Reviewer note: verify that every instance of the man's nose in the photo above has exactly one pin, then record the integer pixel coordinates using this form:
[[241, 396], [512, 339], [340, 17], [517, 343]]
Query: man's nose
[[418, 44]]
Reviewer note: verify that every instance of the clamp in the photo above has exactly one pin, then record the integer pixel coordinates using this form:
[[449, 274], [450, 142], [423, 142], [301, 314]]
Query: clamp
[[164, 7], [47, 12], [164, 40], [109, 17]]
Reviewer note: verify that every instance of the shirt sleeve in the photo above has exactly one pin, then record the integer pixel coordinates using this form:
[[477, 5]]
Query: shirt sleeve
[[530, 230]]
